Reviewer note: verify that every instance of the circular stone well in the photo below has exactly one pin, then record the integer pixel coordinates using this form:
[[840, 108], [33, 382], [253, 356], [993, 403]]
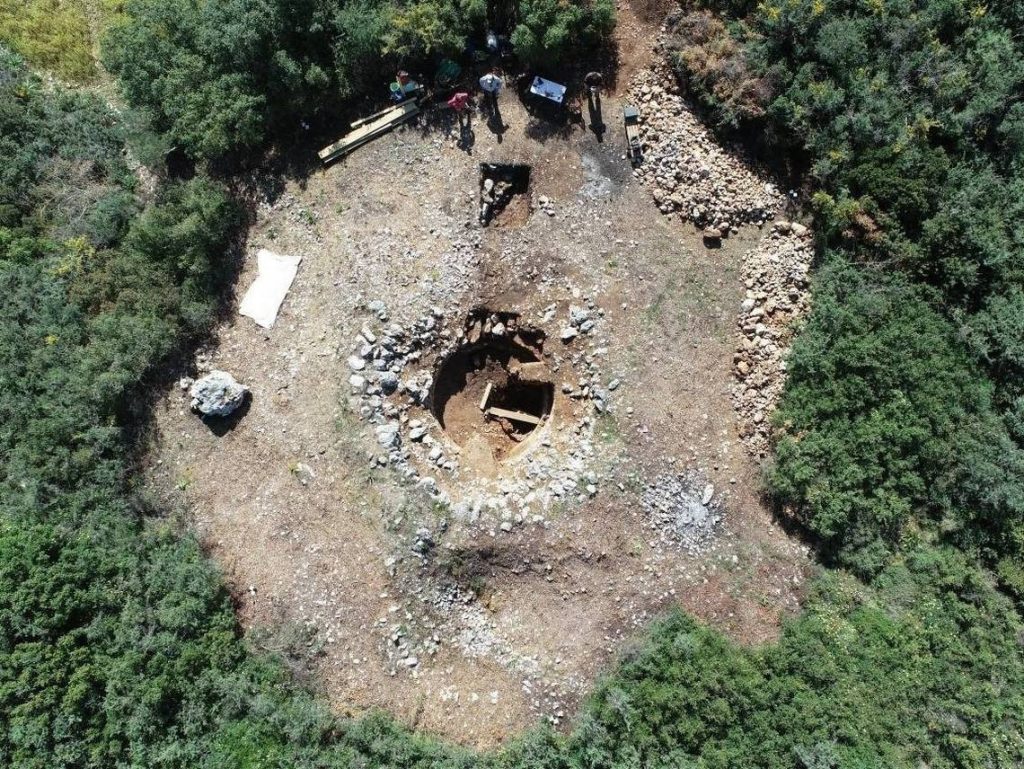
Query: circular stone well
[[518, 382]]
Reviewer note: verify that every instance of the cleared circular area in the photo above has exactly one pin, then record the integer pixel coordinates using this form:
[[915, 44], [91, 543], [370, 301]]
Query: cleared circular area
[[495, 389]]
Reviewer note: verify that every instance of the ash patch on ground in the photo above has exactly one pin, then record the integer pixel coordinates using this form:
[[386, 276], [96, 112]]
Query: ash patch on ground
[[683, 510]]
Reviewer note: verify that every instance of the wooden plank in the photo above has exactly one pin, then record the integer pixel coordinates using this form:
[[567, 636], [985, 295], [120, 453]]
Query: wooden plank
[[515, 416], [377, 114], [487, 394], [371, 130]]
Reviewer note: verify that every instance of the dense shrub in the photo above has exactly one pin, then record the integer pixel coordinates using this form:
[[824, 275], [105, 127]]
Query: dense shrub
[[219, 76], [923, 669], [887, 421], [52, 34], [550, 32]]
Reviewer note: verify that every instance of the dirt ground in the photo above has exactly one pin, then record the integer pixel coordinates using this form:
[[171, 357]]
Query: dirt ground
[[495, 627]]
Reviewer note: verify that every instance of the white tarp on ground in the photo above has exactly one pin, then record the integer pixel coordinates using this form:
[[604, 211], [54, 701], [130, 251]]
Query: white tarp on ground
[[264, 297]]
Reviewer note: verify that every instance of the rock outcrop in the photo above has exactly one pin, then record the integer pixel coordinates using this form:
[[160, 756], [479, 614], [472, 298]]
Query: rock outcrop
[[217, 394]]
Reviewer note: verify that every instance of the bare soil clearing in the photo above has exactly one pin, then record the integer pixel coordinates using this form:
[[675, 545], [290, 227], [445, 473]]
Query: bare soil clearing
[[476, 618]]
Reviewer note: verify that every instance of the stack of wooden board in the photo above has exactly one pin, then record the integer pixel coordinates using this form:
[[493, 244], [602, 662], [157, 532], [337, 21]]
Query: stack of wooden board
[[370, 127]]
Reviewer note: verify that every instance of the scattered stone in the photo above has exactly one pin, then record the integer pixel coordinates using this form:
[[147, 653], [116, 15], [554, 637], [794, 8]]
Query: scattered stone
[[388, 436], [424, 541], [388, 382], [709, 492], [304, 473], [675, 508]]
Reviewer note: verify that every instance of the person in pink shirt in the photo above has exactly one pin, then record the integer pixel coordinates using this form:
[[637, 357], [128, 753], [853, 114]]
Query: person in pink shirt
[[460, 103]]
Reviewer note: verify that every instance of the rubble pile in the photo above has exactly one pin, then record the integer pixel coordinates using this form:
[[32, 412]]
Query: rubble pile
[[440, 614], [776, 278], [379, 369], [682, 509], [690, 174]]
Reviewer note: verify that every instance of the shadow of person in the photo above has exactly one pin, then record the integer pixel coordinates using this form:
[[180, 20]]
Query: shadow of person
[[596, 120], [466, 137], [496, 123]]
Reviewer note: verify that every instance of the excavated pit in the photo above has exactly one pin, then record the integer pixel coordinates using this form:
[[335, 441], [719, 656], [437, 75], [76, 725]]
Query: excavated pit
[[504, 193], [513, 379]]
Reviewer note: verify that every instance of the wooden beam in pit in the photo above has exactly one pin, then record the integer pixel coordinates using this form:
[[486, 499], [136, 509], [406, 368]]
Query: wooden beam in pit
[[515, 416], [487, 394]]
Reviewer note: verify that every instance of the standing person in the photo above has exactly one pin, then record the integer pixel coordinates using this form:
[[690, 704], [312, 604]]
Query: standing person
[[459, 102], [593, 82], [491, 85]]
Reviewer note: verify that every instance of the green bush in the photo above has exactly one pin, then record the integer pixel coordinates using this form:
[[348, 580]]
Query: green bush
[[888, 420], [923, 669], [550, 32], [51, 34]]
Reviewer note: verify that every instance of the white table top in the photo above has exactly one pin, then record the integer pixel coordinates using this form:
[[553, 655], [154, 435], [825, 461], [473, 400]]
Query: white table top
[[548, 89]]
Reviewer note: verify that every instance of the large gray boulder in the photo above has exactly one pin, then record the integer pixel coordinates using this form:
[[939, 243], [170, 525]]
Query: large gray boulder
[[217, 394]]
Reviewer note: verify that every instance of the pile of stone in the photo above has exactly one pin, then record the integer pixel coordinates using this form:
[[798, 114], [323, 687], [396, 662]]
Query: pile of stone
[[775, 274], [689, 173], [582, 320], [591, 384], [379, 370], [682, 509]]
